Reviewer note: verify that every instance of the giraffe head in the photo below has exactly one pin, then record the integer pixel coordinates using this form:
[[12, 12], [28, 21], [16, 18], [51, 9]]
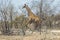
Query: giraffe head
[[24, 5]]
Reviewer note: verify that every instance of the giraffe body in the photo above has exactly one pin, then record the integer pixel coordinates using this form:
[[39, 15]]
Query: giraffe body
[[32, 17]]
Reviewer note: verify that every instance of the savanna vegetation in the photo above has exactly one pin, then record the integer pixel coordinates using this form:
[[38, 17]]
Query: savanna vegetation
[[11, 19]]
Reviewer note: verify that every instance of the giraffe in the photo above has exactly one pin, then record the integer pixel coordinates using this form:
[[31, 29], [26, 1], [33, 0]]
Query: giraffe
[[32, 17]]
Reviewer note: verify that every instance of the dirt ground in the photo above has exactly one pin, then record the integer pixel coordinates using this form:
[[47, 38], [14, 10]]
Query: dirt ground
[[49, 35]]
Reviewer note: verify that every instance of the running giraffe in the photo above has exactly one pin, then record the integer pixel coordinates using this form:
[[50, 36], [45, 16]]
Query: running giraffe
[[32, 17]]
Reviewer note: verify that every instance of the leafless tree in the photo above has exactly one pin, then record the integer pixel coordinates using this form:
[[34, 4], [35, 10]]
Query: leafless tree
[[6, 11]]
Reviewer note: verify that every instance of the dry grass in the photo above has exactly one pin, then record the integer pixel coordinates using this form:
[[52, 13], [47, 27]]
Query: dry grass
[[35, 36]]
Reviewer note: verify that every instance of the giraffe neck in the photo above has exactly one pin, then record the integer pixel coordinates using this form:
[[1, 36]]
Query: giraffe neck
[[29, 11]]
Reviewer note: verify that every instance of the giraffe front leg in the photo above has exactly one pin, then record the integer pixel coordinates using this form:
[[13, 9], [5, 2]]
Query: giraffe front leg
[[29, 21]]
